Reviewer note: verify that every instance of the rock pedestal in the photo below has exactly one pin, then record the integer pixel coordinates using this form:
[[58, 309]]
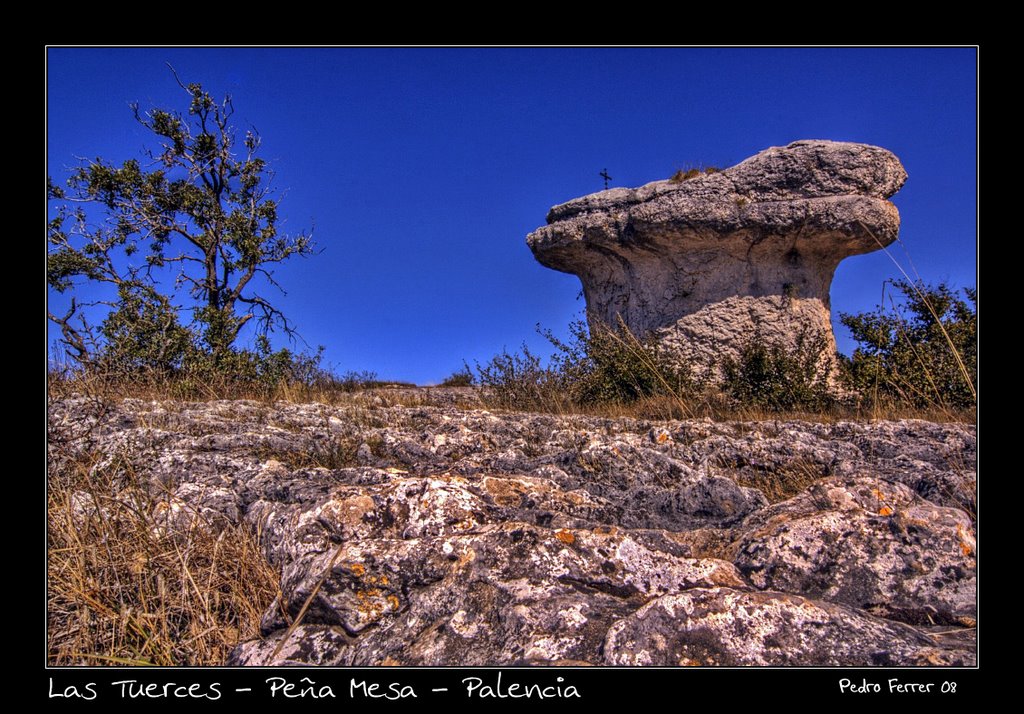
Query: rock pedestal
[[706, 262]]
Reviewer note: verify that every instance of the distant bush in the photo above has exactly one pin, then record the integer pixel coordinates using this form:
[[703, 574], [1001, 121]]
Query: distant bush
[[921, 350], [460, 378], [260, 368], [171, 364], [354, 381], [778, 378]]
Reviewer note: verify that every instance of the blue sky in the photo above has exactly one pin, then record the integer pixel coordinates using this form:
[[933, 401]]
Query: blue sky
[[422, 170]]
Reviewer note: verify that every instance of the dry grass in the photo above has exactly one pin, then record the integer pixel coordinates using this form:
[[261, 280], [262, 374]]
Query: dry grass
[[666, 407], [714, 406], [127, 588], [112, 388], [529, 387], [338, 452], [784, 483], [687, 174]]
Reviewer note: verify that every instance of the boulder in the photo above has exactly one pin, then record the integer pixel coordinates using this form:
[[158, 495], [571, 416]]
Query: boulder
[[726, 627], [870, 544], [708, 262], [498, 595]]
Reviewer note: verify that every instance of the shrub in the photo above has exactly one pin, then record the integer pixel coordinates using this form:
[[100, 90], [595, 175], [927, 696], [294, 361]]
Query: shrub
[[599, 365], [777, 378], [603, 365], [132, 367], [354, 381], [142, 333], [922, 351], [519, 381], [460, 378]]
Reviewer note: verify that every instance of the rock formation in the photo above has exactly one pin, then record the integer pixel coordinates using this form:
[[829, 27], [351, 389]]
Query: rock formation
[[439, 535], [707, 262]]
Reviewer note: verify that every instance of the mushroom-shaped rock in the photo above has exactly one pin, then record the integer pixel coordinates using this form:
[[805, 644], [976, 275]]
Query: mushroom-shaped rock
[[709, 261]]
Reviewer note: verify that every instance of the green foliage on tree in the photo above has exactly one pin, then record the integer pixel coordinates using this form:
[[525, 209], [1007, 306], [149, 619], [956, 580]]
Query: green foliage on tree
[[143, 333], [921, 350], [195, 222]]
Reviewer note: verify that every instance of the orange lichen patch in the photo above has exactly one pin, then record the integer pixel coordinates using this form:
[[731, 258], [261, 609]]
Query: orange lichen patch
[[504, 491], [687, 662], [965, 547], [885, 511], [606, 530], [933, 657], [565, 536], [357, 569], [394, 602], [662, 438], [389, 662], [878, 494], [350, 510], [368, 602]]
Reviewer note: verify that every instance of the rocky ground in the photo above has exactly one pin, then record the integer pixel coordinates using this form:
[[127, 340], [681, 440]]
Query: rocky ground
[[444, 534]]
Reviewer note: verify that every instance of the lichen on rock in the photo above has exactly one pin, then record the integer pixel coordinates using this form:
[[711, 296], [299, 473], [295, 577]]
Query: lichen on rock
[[531, 539]]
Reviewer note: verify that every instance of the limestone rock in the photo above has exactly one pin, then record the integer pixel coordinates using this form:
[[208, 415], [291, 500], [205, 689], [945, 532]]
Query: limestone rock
[[725, 627], [708, 262], [871, 544], [449, 535], [503, 594]]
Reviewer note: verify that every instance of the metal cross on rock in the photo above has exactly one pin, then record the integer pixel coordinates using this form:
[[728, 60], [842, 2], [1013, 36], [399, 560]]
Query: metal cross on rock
[[606, 177]]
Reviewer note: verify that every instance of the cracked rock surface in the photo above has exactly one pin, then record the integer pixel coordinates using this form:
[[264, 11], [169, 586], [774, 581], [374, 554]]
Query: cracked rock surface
[[706, 262], [440, 534]]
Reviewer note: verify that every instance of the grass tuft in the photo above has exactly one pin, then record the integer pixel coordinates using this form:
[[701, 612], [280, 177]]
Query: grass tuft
[[126, 587], [782, 484], [687, 174]]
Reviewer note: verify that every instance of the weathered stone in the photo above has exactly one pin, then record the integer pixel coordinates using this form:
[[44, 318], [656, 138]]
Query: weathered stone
[[460, 536], [503, 594], [708, 262], [868, 543], [725, 627]]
